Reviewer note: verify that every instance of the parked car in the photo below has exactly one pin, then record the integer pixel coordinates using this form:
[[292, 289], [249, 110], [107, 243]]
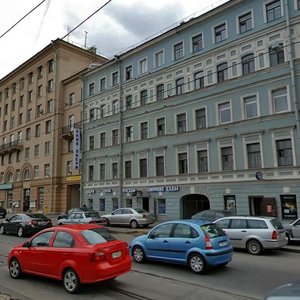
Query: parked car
[[292, 230], [134, 217], [288, 291], [25, 224], [75, 254], [254, 233], [72, 210], [3, 212], [83, 217], [195, 243], [212, 215]]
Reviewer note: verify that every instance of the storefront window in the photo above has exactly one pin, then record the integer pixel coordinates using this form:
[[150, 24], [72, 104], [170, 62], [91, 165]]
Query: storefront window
[[289, 207], [102, 204], [161, 205]]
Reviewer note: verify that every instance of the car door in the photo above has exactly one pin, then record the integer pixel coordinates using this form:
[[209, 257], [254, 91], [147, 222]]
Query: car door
[[116, 216], [296, 229], [13, 224], [158, 241], [126, 217], [237, 232]]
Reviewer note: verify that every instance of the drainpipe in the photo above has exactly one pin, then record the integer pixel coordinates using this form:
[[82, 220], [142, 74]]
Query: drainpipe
[[292, 68]]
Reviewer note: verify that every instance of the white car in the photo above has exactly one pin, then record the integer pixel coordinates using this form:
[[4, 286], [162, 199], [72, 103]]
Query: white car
[[134, 217]]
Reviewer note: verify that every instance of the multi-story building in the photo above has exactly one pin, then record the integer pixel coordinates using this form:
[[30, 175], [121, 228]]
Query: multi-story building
[[37, 102], [205, 115]]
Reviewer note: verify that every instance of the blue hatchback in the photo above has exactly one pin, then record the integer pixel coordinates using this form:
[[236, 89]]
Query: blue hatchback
[[195, 243]]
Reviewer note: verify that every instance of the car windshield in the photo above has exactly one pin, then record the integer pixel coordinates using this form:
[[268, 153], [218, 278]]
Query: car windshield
[[97, 236], [277, 224], [37, 216], [212, 230], [140, 210], [92, 214]]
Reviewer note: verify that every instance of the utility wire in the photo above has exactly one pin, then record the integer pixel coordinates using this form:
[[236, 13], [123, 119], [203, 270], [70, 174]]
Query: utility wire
[[21, 19], [85, 19]]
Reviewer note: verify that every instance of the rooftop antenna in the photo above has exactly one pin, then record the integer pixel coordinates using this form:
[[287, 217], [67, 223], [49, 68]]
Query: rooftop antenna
[[85, 39]]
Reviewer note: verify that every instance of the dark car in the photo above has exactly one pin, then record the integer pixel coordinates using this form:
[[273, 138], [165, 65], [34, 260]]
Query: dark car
[[212, 215], [25, 224], [71, 211], [3, 212]]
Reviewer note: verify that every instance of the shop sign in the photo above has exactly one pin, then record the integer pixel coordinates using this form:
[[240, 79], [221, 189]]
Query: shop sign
[[107, 190], [172, 188], [128, 190]]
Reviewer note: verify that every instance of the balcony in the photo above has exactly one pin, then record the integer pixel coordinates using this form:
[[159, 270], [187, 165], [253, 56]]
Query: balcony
[[68, 131], [11, 147]]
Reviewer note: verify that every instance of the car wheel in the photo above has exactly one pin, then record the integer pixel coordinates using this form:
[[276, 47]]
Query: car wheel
[[20, 232], [254, 247], [2, 230], [134, 224], [107, 222], [287, 235], [197, 263], [138, 254], [15, 270], [71, 281]]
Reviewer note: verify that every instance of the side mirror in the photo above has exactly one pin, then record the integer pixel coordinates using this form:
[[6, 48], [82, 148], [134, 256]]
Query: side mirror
[[27, 244]]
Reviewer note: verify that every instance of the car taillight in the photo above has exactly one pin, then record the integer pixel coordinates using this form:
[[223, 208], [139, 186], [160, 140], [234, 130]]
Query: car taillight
[[274, 235], [98, 256], [208, 244], [32, 222]]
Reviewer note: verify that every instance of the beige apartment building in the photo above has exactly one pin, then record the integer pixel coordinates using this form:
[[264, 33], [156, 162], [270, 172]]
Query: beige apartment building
[[40, 105]]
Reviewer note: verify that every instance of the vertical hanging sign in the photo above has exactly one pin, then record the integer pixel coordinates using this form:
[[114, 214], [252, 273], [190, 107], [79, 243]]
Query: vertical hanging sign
[[76, 149]]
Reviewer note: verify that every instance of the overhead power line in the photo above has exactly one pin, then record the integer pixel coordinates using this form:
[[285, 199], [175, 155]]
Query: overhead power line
[[22, 19]]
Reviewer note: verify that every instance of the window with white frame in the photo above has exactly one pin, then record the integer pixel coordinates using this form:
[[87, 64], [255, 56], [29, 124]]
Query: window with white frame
[[69, 167], [46, 170], [128, 171], [199, 80], [179, 86], [143, 167], [50, 85], [250, 107], [144, 96], [222, 72], [182, 163], [71, 99], [245, 22], [114, 170], [128, 101], [181, 122], [224, 112], [160, 165], [160, 92], [273, 10], [144, 130], [102, 171], [92, 115], [276, 54], [115, 137], [200, 116], [90, 172], [36, 171], [102, 84], [115, 106], [36, 150], [202, 161], [102, 139], [27, 174], [91, 142], [128, 73], [48, 126], [197, 43], [91, 90], [128, 133], [254, 156], [220, 33], [115, 78], [178, 51], [161, 126], [47, 148], [248, 64], [284, 152], [227, 158], [280, 100], [143, 66], [158, 58]]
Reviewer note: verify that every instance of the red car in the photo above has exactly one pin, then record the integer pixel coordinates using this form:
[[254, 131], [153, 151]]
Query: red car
[[75, 254]]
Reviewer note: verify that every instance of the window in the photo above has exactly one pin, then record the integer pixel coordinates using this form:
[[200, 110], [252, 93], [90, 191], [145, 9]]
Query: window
[[250, 106], [115, 137], [102, 84], [160, 165], [46, 170], [160, 123], [248, 64], [92, 114], [200, 118], [245, 22], [143, 66], [115, 78], [222, 72], [224, 112], [284, 152], [91, 173], [197, 43], [102, 171], [220, 33], [161, 207], [48, 127], [254, 157], [160, 91], [50, 86], [36, 150], [21, 101], [40, 71], [227, 158], [28, 134], [179, 86], [144, 96], [273, 10], [40, 90], [29, 115], [22, 83], [30, 96], [276, 54], [102, 140], [202, 161], [182, 163], [69, 167], [36, 171], [128, 133], [63, 240], [128, 73], [91, 89], [159, 58], [50, 65], [91, 142], [280, 100], [143, 167], [128, 169], [30, 77], [129, 102], [144, 130], [50, 105], [47, 148], [199, 80], [71, 99], [181, 123], [178, 51], [102, 204], [114, 170]]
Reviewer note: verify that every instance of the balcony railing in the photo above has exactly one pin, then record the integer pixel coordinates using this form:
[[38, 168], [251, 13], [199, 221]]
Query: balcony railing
[[67, 131], [11, 147]]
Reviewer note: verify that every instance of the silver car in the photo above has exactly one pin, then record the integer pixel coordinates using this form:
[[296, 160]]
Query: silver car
[[292, 230], [83, 217], [255, 234], [134, 217]]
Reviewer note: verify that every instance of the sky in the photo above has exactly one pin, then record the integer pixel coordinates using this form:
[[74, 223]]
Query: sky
[[115, 28]]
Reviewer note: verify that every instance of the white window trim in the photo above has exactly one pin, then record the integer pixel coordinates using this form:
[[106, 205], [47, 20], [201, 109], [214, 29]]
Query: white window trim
[[173, 52], [163, 58], [213, 32], [199, 147], [140, 131], [191, 41], [265, 9], [245, 153], [238, 20], [230, 144], [194, 118], [271, 104], [141, 61], [243, 114], [186, 122], [183, 149], [105, 87], [218, 112]]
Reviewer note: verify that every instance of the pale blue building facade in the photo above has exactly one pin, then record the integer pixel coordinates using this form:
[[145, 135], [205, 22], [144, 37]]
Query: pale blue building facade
[[205, 115]]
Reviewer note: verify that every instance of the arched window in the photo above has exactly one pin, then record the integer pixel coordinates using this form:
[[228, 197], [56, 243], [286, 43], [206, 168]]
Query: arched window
[[27, 174]]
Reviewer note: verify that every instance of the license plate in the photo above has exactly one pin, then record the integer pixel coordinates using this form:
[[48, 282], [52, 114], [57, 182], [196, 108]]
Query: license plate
[[116, 254], [223, 244]]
